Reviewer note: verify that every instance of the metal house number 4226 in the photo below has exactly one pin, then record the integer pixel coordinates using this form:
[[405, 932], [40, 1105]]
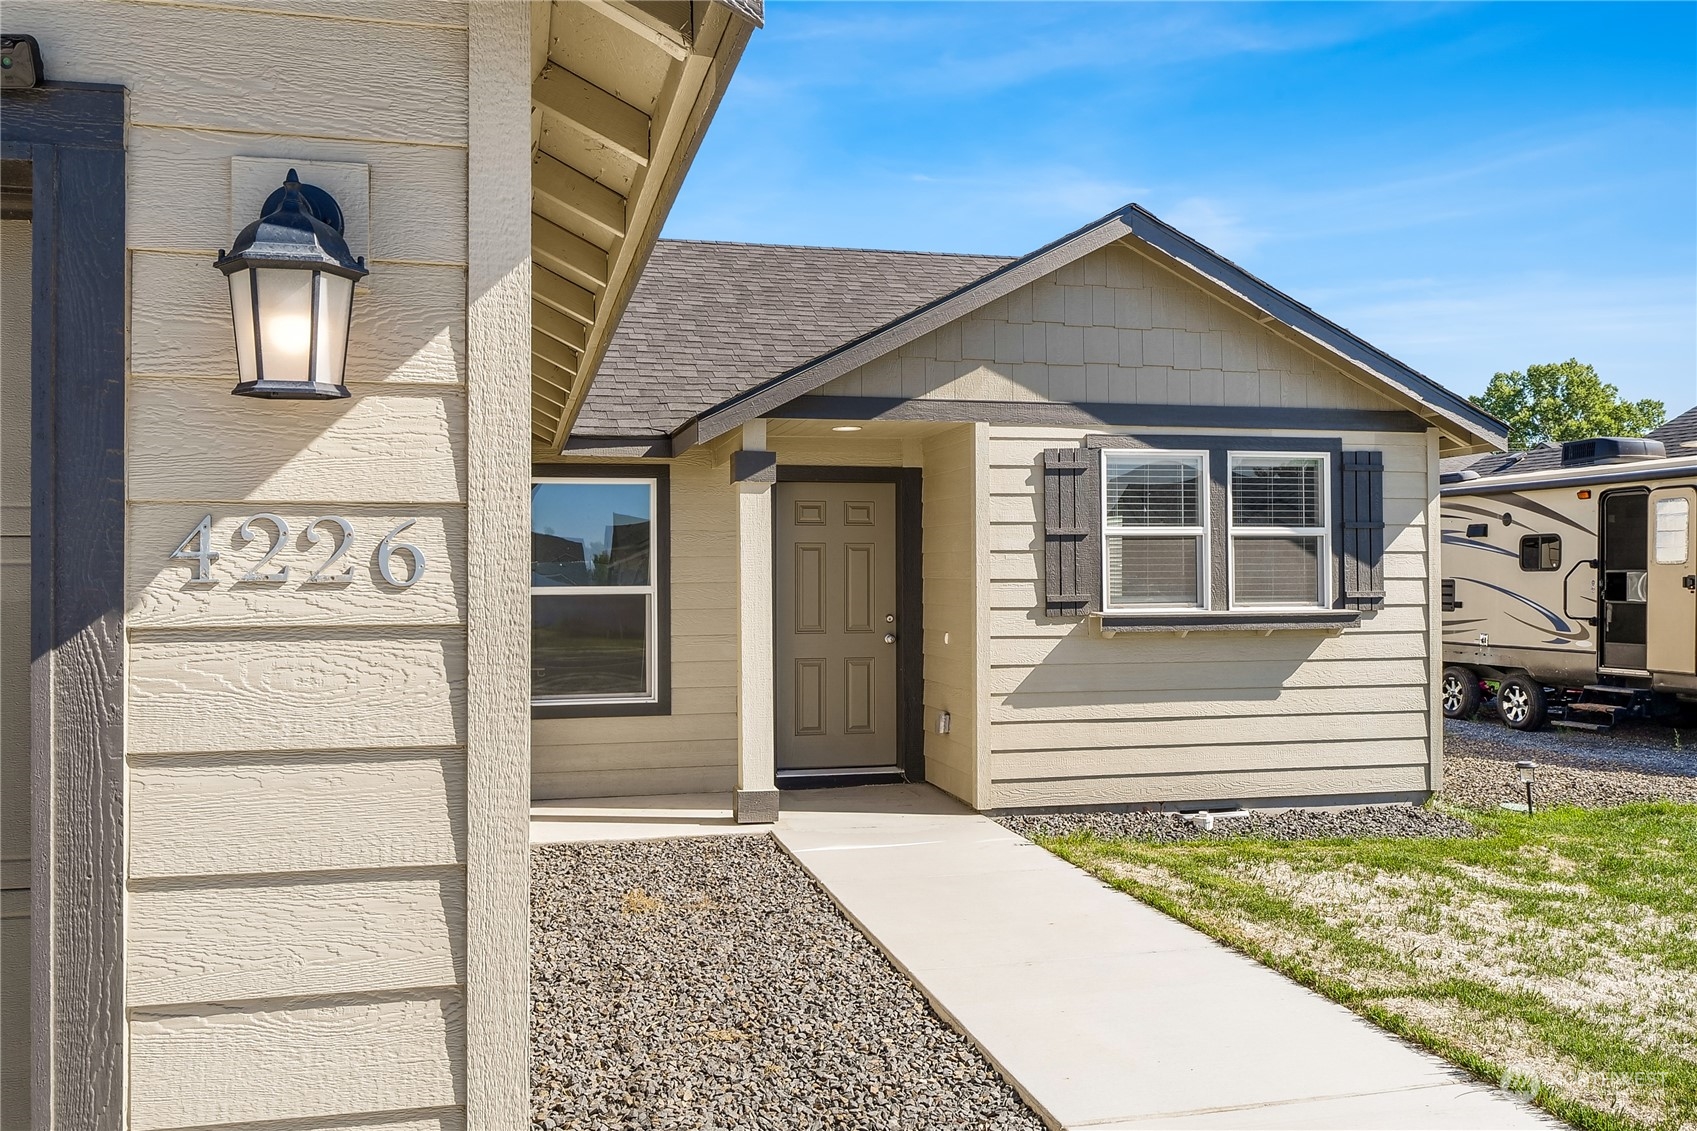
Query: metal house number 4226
[[337, 531]]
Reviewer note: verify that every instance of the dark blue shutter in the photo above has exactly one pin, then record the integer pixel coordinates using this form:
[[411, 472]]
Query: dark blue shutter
[[1363, 529]]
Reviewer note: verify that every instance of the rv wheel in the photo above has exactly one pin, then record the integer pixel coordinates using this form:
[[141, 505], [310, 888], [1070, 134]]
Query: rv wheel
[[1460, 693], [1520, 701]]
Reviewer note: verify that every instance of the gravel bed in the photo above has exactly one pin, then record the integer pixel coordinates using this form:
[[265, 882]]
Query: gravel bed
[[709, 983], [1292, 824], [1592, 771]]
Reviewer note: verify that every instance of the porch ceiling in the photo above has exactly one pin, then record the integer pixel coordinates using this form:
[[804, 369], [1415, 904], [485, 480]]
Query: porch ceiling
[[621, 93]]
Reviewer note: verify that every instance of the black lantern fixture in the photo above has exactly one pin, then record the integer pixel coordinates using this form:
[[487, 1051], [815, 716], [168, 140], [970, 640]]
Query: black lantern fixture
[[1525, 771], [292, 296]]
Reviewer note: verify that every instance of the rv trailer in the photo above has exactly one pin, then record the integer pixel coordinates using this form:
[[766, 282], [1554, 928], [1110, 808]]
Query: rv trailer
[[1572, 590]]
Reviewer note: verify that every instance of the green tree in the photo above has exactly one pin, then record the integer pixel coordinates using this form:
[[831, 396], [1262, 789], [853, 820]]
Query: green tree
[[1565, 400]]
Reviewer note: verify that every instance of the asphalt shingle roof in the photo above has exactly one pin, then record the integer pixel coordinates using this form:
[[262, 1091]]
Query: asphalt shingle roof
[[1679, 435], [710, 320]]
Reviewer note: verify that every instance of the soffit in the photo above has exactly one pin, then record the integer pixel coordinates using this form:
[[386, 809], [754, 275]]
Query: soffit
[[621, 92]]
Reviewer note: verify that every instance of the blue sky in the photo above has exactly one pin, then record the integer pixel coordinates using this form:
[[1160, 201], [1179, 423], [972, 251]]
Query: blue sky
[[1471, 187]]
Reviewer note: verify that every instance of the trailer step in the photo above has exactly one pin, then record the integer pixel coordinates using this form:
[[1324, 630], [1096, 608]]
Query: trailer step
[[1609, 709], [1575, 724], [1626, 695]]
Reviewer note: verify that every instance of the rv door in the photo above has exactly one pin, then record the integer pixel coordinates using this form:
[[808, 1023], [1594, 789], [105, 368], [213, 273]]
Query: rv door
[[1672, 582]]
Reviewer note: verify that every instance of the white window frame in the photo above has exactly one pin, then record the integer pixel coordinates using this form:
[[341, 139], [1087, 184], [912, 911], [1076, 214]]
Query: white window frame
[[651, 617], [1323, 531], [1202, 533]]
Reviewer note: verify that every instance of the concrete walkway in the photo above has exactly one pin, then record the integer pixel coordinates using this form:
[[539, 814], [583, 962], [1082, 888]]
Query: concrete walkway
[[1103, 1012]]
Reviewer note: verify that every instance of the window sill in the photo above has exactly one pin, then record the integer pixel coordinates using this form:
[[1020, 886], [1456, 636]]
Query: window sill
[[603, 710], [1263, 624]]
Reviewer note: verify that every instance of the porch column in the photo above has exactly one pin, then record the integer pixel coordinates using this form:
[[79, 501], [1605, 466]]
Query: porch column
[[754, 472]]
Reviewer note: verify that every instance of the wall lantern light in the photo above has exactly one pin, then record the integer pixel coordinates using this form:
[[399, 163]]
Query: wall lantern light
[[292, 296]]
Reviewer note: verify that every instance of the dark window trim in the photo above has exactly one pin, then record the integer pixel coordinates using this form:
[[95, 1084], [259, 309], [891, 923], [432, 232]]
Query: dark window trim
[[1538, 542], [910, 598], [661, 559], [1220, 449], [72, 135]]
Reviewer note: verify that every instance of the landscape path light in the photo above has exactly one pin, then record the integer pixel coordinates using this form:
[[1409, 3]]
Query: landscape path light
[[1526, 770], [291, 279]]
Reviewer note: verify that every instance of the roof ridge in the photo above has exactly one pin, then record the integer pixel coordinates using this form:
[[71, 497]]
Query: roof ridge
[[825, 247]]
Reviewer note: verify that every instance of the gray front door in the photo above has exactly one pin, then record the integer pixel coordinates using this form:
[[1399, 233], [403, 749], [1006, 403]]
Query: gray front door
[[836, 624]]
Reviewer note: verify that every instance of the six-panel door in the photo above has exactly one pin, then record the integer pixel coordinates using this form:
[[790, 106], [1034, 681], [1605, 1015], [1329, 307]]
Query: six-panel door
[[836, 625]]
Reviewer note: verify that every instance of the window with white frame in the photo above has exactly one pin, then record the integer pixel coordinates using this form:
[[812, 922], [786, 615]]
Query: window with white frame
[[1280, 528], [593, 591], [1155, 530]]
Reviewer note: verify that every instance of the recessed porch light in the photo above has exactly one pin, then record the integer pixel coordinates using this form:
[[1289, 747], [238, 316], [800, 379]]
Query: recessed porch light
[[845, 427]]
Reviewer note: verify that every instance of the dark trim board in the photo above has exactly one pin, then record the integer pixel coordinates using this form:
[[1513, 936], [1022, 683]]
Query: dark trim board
[[72, 135], [1060, 414], [910, 641], [660, 555], [1092, 415]]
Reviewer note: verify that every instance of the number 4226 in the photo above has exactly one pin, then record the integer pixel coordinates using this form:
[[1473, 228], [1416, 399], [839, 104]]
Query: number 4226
[[197, 548]]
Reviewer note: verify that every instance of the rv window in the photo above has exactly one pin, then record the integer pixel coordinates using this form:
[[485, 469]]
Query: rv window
[[593, 591], [1673, 520], [1540, 552], [1155, 530], [1279, 530]]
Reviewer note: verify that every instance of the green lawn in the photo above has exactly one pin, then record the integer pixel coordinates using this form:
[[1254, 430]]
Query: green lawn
[[1559, 951]]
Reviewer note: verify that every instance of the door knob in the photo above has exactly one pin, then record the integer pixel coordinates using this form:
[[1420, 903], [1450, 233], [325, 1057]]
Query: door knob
[[889, 638]]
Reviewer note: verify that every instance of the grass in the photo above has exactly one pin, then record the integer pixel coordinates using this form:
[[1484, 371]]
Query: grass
[[1557, 953]]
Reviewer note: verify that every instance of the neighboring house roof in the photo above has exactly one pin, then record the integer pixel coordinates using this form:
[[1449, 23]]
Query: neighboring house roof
[[1679, 434], [716, 322], [711, 320]]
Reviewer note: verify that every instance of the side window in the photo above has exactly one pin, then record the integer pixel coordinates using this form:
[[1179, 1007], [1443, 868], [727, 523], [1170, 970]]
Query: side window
[[593, 591], [1280, 525], [1540, 552], [1673, 524], [1155, 530]]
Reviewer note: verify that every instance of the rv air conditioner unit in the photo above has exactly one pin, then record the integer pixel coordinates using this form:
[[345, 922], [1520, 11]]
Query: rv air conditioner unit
[[1609, 449]]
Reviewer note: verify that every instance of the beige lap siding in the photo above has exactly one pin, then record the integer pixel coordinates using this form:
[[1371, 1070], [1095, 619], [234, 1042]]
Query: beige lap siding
[[297, 794], [955, 612], [693, 749], [1077, 718], [1114, 327]]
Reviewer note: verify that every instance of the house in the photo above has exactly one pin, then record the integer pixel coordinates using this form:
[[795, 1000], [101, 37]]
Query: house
[[265, 690], [1113, 523]]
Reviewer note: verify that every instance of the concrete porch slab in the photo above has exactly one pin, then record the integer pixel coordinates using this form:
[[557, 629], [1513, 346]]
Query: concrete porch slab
[[582, 820], [1104, 1012]]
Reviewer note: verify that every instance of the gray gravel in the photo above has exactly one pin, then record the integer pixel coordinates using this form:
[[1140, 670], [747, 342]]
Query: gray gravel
[[1633, 763], [1293, 824], [709, 983]]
